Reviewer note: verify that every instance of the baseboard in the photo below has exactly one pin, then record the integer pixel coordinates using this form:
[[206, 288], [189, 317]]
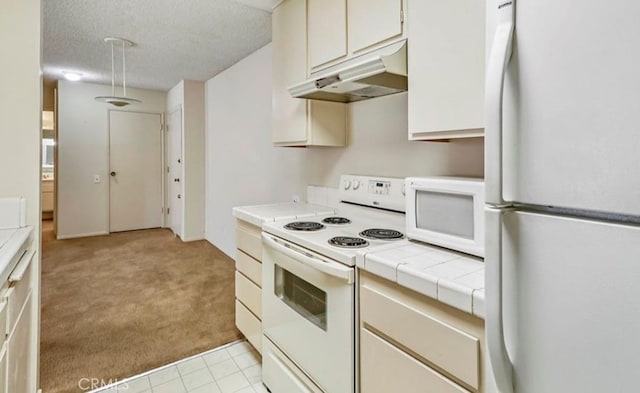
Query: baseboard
[[64, 237], [192, 239]]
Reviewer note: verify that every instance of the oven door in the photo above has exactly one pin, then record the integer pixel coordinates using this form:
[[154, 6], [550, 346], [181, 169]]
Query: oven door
[[308, 313]]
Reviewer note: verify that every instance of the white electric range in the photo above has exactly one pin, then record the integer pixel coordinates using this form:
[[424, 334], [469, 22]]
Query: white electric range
[[309, 291]]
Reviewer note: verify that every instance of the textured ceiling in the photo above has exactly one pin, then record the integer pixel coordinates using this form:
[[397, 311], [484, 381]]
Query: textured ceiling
[[174, 39]]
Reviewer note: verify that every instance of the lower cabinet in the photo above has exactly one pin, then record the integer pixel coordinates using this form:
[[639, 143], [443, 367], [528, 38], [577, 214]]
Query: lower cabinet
[[249, 282], [19, 352], [18, 327], [3, 368], [412, 343]]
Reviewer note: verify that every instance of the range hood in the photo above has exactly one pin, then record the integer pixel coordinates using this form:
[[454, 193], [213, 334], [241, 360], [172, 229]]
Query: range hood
[[375, 74]]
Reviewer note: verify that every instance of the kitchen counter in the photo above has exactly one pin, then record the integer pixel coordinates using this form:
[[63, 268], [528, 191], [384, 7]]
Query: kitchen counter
[[13, 244], [259, 214], [450, 277]]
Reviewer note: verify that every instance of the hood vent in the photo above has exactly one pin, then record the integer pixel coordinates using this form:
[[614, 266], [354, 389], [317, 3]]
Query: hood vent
[[375, 74]]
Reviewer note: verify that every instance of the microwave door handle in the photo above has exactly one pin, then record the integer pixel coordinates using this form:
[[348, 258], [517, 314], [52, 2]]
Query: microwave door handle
[[494, 318], [333, 269], [498, 60]]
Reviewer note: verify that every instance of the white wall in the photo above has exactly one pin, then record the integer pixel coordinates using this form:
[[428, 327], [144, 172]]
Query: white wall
[[20, 129], [243, 167], [378, 145], [83, 151], [189, 95]]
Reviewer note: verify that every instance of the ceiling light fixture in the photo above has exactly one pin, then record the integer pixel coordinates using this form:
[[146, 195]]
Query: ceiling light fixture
[[72, 76], [113, 99]]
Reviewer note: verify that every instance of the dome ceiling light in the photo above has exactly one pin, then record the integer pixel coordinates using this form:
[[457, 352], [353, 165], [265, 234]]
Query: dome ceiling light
[[123, 100]]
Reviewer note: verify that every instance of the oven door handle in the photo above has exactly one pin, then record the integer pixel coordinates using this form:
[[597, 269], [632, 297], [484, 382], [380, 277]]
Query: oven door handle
[[333, 269]]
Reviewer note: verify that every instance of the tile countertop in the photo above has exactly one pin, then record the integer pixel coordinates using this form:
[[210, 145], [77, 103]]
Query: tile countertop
[[259, 214], [452, 278]]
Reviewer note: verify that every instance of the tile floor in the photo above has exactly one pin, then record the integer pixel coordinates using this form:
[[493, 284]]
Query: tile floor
[[233, 368]]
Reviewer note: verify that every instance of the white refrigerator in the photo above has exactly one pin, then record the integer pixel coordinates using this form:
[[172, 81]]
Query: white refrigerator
[[562, 173]]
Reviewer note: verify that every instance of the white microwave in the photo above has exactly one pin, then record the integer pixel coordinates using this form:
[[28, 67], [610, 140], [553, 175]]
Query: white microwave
[[446, 211]]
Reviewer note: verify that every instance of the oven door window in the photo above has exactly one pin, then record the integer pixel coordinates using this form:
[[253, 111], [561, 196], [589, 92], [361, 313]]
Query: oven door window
[[301, 296], [451, 214]]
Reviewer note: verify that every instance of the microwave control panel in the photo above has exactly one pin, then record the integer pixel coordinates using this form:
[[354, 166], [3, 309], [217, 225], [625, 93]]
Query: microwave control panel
[[379, 187]]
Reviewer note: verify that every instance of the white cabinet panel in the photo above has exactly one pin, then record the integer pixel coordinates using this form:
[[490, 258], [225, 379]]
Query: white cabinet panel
[[3, 368], [250, 267], [249, 294], [446, 65], [327, 31], [249, 325], [384, 368], [19, 352], [248, 239], [289, 36], [373, 21], [298, 122]]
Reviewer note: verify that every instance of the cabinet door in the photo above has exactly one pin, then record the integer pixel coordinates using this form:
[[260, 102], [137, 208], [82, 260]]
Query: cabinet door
[[19, 352], [289, 67], [446, 68], [327, 31], [3, 368], [373, 21]]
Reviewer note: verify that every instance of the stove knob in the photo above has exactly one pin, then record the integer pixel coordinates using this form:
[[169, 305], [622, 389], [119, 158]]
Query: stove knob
[[347, 184], [356, 184]]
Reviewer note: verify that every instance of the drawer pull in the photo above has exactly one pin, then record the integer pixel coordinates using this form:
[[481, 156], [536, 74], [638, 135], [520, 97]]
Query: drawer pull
[[18, 272]]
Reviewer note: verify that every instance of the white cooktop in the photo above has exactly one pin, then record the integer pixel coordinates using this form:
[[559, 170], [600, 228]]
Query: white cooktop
[[361, 218]]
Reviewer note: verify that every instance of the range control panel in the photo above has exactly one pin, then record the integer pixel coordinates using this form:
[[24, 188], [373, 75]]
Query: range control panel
[[382, 192]]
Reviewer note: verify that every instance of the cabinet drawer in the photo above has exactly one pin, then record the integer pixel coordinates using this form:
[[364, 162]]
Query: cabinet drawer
[[249, 325], [249, 240], [250, 267], [249, 294], [440, 344], [19, 290], [384, 368]]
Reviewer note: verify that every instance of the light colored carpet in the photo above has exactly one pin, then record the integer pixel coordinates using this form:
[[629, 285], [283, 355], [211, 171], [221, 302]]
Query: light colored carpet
[[114, 306]]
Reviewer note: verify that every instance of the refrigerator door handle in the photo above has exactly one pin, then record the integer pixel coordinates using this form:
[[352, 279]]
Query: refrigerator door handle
[[498, 60], [494, 323]]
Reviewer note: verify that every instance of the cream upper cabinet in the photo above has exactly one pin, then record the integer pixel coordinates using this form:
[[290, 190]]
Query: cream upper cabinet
[[373, 22], [299, 122], [446, 66], [289, 67], [327, 31], [340, 30]]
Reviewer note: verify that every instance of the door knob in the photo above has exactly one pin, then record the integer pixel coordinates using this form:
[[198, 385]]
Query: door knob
[[179, 196], [177, 180], [113, 173]]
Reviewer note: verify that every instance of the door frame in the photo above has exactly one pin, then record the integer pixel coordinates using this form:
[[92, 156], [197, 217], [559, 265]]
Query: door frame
[[162, 162], [167, 164]]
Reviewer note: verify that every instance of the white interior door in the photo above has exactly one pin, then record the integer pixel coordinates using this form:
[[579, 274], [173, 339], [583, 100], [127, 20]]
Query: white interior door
[[175, 171], [571, 303], [135, 154]]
